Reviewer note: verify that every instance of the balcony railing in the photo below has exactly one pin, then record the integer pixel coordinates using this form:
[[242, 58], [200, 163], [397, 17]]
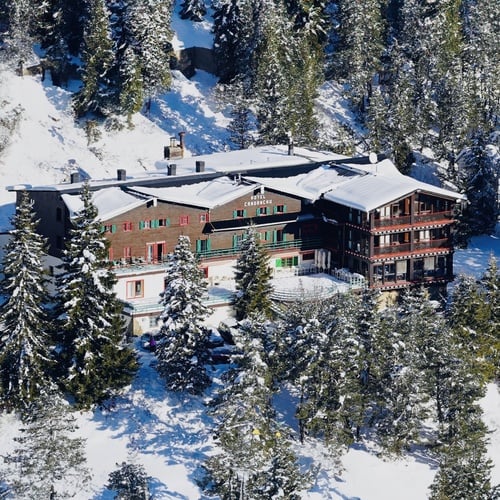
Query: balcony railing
[[406, 220], [407, 247], [303, 244]]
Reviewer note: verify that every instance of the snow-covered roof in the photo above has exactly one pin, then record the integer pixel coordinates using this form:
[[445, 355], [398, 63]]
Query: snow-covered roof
[[361, 186], [109, 202], [205, 194]]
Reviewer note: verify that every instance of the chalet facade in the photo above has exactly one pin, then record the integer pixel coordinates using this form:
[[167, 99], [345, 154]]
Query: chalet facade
[[314, 212]]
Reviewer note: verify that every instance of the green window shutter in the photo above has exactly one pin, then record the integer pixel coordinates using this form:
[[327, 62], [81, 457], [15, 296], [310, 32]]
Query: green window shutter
[[257, 210], [235, 214], [278, 263], [141, 224], [244, 213], [198, 246], [275, 209], [103, 228], [167, 221], [284, 237], [268, 235], [284, 208], [296, 260], [235, 241], [113, 228], [275, 236], [209, 245], [268, 210]]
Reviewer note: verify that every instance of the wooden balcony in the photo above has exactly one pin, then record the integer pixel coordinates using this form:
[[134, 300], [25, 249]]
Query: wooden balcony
[[418, 246], [418, 219]]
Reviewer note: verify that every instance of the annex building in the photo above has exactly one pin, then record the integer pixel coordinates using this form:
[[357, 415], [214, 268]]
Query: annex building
[[358, 219]]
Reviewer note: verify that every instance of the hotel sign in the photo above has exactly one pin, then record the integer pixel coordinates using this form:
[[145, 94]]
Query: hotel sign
[[258, 200]]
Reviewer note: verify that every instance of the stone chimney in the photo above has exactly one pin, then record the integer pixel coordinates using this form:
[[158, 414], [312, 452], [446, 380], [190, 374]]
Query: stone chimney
[[200, 166], [121, 174]]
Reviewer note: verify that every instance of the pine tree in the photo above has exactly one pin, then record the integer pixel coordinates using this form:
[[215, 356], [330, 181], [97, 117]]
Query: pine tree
[[148, 23], [49, 461], [93, 343], [256, 459], [491, 292], [131, 83], [24, 18], [98, 58], [194, 10], [252, 276], [359, 46], [25, 348], [478, 168], [273, 74], [183, 355], [469, 318], [130, 482], [234, 38]]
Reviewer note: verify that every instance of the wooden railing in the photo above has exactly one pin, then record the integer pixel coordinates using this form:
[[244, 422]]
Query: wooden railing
[[406, 220], [407, 247]]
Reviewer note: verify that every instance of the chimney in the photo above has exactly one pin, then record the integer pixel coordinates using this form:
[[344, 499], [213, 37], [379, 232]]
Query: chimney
[[200, 166], [121, 174], [173, 142], [172, 169], [75, 177], [181, 139]]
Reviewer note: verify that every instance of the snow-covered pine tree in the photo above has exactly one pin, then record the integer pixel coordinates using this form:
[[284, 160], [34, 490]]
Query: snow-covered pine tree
[[253, 277], [234, 38], [93, 349], [360, 43], [24, 19], [401, 408], [491, 292], [130, 482], [322, 382], [195, 10], [49, 460], [477, 176], [256, 458], [464, 466], [148, 23], [131, 84], [183, 355], [25, 344], [98, 58], [236, 94], [359, 385], [273, 74], [469, 317]]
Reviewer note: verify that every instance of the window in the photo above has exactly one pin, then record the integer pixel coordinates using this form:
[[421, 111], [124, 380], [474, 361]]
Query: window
[[287, 262], [237, 240], [262, 210], [265, 236], [135, 289], [239, 213], [184, 220], [108, 228], [202, 246], [204, 218], [127, 226], [280, 209], [165, 222], [308, 256], [145, 224]]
